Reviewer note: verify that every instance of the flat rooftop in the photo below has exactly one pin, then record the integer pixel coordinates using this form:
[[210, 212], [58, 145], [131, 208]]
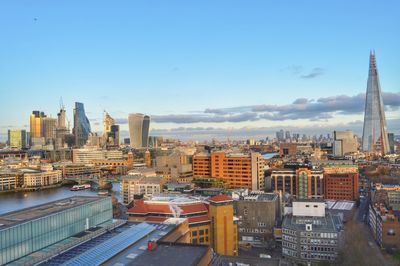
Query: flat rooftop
[[24, 215], [175, 254], [265, 197], [119, 246]]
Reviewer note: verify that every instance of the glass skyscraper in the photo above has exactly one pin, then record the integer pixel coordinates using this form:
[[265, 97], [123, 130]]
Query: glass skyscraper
[[81, 125], [145, 131], [139, 125], [375, 138]]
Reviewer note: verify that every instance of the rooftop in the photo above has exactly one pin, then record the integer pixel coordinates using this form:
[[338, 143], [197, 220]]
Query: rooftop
[[175, 254], [27, 214], [261, 197], [220, 198], [329, 223]]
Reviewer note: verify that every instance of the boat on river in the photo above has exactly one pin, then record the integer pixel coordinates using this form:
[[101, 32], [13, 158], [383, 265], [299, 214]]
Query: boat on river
[[80, 187]]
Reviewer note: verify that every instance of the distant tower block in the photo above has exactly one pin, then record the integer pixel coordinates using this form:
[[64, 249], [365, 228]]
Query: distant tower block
[[147, 158], [375, 138]]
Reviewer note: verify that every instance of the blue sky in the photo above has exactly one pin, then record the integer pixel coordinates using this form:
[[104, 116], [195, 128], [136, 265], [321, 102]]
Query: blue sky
[[176, 59]]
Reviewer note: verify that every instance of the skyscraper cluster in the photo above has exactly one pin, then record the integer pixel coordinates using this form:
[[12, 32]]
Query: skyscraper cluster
[[139, 125]]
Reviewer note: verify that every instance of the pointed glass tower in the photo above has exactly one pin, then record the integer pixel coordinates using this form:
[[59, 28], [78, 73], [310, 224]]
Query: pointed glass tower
[[375, 138]]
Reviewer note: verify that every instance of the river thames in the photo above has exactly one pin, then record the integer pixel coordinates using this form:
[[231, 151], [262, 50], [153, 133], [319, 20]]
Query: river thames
[[19, 200]]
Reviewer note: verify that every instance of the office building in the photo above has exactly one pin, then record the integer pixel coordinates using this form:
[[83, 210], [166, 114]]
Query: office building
[[236, 170], [280, 135], [110, 130], [34, 178], [113, 136], [300, 181], [30, 230], [36, 124], [87, 156], [310, 235], [384, 222], [139, 125], [49, 128], [341, 182], [287, 149], [258, 214], [81, 128], [108, 121], [375, 138], [392, 143], [145, 131], [17, 138], [344, 143], [132, 185], [79, 171], [174, 167], [224, 238], [202, 165]]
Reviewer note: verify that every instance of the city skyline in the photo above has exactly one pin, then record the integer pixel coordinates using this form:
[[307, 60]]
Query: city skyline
[[236, 69]]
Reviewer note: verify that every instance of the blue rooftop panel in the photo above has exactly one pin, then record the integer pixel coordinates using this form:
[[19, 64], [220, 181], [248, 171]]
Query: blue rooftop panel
[[104, 251]]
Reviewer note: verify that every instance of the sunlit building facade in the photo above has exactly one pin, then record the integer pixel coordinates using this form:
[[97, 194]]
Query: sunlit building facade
[[17, 138], [139, 125]]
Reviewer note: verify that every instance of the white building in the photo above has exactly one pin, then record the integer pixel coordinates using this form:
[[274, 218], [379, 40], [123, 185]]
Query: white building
[[140, 185]]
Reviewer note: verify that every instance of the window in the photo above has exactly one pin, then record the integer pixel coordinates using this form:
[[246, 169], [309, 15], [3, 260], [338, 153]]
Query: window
[[201, 232], [201, 239], [194, 241], [194, 233]]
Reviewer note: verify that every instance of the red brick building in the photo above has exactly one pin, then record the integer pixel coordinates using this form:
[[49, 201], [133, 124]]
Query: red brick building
[[341, 182]]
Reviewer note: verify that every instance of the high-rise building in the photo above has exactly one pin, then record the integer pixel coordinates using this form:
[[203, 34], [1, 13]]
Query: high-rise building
[[108, 121], [114, 134], [139, 125], [391, 142], [61, 118], [61, 129], [36, 124], [280, 135], [236, 170], [49, 128], [374, 132], [287, 135], [81, 125], [17, 138], [145, 131], [344, 143]]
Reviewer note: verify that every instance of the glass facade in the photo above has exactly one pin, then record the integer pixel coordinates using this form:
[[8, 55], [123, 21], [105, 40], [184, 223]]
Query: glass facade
[[27, 237], [81, 125], [374, 130], [145, 131]]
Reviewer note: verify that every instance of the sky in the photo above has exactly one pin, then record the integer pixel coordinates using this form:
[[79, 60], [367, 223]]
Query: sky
[[201, 69]]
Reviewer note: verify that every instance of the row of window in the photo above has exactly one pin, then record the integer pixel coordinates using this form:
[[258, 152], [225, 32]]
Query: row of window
[[200, 240], [320, 235], [200, 232]]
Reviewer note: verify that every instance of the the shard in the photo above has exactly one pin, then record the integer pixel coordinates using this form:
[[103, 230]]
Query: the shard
[[375, 137]]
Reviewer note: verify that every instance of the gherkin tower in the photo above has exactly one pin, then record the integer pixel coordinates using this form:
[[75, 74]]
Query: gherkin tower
[[375, 138]]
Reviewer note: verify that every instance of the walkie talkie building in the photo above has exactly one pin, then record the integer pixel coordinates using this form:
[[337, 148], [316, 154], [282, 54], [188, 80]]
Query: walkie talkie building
[[375, 137]]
